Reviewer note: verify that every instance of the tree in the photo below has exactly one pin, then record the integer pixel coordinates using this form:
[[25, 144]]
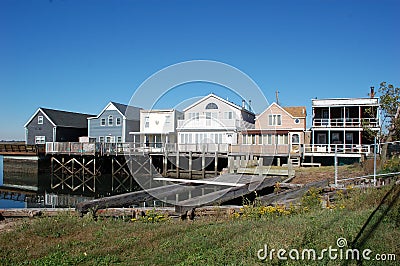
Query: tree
[[390, 110]]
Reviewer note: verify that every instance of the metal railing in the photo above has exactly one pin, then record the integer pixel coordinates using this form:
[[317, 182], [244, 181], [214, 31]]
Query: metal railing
[[345, 122]]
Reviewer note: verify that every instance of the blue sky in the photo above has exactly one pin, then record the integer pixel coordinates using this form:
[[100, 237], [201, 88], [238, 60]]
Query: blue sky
[[78, 55]]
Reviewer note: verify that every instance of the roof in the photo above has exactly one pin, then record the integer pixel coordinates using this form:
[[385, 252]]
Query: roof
[[121, 107], [220, 99], [128, 111], [296, 111], [293, 111], [63, 118]]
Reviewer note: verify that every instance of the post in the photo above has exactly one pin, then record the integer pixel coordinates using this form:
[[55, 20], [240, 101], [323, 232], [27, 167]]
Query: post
[[165, 163], [177, 164], [150, 165], [336, 167], [190, 164], [203, 164], [216, 163], [230, 164], [112, 174], [375, 161]]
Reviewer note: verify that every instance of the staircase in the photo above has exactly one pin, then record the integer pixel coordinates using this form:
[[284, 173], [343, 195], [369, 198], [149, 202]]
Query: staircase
[[295, 161]]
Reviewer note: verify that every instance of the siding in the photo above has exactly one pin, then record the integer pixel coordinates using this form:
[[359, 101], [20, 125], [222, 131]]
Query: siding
[[96, 130], [34, 129], [287, 120]]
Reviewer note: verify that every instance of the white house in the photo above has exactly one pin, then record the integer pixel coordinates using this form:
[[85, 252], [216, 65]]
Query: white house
[[158, 127], [212, 124]]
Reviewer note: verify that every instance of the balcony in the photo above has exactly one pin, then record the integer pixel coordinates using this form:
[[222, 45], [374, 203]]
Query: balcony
[[346, 122]]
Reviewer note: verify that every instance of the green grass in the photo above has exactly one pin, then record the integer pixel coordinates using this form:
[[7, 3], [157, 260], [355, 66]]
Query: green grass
[[69, 240]]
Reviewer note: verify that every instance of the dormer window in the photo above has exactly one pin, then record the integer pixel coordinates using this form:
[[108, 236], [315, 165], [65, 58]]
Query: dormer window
[[211, 106], [40, 120], [110, 120]]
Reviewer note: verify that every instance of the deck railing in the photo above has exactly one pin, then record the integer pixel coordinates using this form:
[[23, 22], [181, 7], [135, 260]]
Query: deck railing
[[260, 149], [338, 148], [345, 122]]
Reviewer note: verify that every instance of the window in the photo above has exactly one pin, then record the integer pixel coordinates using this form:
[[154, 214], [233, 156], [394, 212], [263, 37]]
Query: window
[[103, 122], [40, 120], [297, 121], [119, 139], [228, 115], [211, 106], [167, 119], [147, 122], [281, 139], [194, 116], [274, 120], [208, 118], [118, 121], [40, 139], [110, 120], [267, 139], [295, 139], [110, 139], [101, 139]]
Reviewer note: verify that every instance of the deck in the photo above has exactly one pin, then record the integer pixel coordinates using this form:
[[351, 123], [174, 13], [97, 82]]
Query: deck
[[21, 149]]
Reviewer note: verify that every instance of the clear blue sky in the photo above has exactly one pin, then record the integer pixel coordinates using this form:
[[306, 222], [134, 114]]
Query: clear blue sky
[[79, 55]]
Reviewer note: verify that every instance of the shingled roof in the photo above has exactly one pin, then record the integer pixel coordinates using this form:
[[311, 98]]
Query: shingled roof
[[296, 111], [67, 119]]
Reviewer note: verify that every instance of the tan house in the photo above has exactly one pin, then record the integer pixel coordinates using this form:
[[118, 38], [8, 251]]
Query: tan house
[[279, 133]]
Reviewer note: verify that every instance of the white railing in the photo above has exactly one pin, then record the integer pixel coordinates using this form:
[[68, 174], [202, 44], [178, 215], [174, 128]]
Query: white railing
[[338, 148], [199, 147], [261, 149], [345, 122]]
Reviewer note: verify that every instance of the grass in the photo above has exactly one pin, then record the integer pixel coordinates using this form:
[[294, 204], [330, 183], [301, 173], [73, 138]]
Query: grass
[[70, 240]]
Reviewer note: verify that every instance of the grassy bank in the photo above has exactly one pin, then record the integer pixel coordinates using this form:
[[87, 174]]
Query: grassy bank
[[69, 240]]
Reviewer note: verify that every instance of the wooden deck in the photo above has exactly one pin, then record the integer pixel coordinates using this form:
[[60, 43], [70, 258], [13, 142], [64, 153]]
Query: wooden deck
[[21, 149]]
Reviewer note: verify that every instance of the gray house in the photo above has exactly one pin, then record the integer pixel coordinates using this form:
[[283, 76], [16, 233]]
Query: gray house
[[48, 125], [114, 123]]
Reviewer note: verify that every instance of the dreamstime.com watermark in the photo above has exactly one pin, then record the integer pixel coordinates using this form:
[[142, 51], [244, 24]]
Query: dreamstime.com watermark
[[339, 252]]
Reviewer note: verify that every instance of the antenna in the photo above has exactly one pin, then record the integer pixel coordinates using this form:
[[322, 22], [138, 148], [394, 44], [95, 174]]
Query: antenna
[[277, 97]]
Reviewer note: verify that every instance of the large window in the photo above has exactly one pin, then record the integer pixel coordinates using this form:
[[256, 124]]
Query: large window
[[110, 120], [40, 120], [40, 139], [194, 116], [118, 121], [249, 139], [274, 120]]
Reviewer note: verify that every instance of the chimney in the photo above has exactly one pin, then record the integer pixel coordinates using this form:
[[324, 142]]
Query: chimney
[[243, 104], [372, 93]]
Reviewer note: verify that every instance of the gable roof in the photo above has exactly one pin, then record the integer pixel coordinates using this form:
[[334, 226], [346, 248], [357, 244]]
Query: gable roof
[[296, 111], [63, 118], [211, 95], [293, 111], [122, 108]]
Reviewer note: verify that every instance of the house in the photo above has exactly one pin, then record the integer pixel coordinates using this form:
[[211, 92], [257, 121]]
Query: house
[[114, 122], [49, 125], [340, 126], [279, 133], [212, 124], [158, 128]]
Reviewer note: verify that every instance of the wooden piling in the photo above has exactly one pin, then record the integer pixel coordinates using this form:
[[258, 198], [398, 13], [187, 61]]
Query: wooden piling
[[190, 164], [177, 164], [216, 163]]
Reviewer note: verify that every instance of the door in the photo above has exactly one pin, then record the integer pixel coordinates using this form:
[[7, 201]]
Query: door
[[325, 117], [295, 143]]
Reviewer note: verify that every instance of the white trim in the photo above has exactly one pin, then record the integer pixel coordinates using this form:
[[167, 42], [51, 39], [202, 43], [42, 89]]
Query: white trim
[[123, 129], [33, 116], [54, 134], [105, 108]]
